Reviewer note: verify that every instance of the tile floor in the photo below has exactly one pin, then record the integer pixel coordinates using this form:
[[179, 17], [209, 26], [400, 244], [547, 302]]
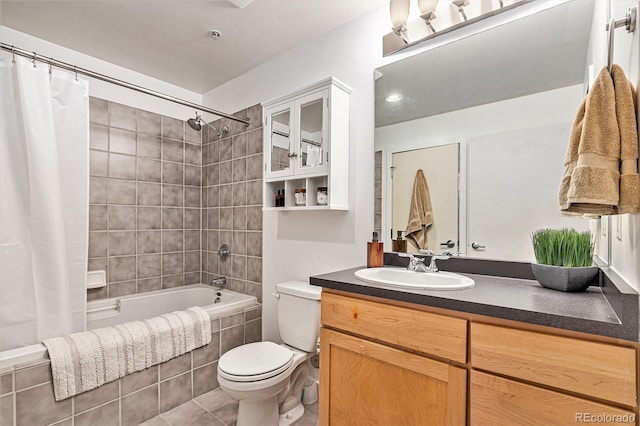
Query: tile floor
[[215, 408]]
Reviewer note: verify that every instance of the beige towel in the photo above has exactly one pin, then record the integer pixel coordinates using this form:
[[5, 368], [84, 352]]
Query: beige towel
[[626, 114], [87, 360], [420, 213], [604, 128]]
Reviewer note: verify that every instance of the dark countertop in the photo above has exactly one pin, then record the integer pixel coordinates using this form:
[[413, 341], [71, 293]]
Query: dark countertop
[[514, 299]]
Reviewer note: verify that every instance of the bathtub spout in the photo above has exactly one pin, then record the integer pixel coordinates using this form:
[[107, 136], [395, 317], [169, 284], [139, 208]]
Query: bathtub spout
[[219, 282]]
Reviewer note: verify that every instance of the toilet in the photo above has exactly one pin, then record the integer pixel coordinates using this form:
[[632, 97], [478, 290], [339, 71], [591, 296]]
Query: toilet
[[266, 377]]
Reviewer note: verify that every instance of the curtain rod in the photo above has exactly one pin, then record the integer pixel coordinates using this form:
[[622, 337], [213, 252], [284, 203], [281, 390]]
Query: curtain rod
[[78, 70]]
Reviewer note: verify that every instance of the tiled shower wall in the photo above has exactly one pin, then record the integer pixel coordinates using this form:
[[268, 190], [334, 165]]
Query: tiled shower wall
[[232, 202], [145, 200]]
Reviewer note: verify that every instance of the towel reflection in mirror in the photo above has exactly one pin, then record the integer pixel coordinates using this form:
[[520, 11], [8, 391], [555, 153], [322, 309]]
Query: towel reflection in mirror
[[420, 212]]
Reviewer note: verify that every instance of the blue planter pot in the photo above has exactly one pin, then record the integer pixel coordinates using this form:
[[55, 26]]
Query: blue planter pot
[[563, 278]]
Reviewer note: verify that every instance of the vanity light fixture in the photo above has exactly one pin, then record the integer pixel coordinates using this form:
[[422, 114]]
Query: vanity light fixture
[[407, 33], [399, 13], [460, 4], [428, 12], [394, 97]]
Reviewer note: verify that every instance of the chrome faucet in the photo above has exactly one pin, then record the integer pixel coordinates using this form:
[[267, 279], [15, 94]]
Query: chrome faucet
[[219, 282], [432, 265], [417, 263]]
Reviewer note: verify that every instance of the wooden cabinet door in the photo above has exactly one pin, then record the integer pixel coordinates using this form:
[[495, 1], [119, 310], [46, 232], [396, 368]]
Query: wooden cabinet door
[[366, 383], [498, 401]]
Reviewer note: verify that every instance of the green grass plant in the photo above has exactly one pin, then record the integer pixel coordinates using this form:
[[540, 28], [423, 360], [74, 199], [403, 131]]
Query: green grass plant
[[563, 247]]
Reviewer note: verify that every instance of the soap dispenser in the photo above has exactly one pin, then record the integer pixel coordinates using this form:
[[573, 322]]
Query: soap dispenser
[[375, 252], [399, 245]]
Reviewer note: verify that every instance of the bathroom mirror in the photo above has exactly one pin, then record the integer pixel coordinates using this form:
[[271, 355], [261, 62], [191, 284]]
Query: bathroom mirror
[[506, 97]]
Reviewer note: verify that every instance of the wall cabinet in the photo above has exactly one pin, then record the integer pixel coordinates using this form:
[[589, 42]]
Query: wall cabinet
[[306, 147], [398, 363]]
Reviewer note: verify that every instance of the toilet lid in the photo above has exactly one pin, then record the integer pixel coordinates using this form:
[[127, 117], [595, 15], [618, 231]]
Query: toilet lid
[[255, 361]]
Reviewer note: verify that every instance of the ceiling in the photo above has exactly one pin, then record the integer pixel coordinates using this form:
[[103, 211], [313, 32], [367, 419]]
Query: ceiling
[[168, 39], [540, 52]]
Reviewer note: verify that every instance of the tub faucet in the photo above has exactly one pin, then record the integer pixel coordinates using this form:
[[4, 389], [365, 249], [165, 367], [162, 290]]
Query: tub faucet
[[219, 282]]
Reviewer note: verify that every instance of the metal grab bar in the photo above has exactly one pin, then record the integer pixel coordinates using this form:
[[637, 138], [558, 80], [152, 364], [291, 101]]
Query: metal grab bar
[[629, 22]]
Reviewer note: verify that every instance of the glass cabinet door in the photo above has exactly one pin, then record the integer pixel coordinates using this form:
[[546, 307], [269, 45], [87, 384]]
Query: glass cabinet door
[[280, 143], [312, 134]]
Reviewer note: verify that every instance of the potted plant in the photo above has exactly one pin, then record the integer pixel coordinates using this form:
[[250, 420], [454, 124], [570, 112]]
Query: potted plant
[[564, 259]]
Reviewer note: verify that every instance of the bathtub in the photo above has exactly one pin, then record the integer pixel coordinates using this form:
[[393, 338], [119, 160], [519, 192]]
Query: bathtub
[[107, 312]]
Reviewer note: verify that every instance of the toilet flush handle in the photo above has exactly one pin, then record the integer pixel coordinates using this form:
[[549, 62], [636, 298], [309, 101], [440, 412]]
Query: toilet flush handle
[[276, 295]]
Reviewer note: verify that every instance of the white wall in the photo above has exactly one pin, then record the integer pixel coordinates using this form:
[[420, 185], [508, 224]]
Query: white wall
[[105, 90], [326, 241]]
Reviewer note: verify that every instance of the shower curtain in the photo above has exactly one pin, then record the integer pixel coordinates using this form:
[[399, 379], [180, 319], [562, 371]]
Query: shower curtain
[[44, 180]]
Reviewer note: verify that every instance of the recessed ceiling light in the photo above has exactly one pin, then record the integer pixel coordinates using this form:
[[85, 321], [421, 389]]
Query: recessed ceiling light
[[395, 97], [215, 34]]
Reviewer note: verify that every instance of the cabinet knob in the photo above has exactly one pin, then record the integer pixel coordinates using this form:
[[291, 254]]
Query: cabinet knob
[[292, 155]]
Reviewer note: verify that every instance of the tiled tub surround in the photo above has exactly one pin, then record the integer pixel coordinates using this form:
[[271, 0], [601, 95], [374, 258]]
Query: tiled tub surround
[[26, 392], [232, 202], [145, 200], [161, 204]]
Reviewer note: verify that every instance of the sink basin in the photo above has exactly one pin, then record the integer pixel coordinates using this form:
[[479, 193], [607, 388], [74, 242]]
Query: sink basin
[[402, 278]]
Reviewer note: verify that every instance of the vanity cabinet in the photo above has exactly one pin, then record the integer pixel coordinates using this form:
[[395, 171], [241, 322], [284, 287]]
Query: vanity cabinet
[[306, 146], [398, 363], [374, 369]]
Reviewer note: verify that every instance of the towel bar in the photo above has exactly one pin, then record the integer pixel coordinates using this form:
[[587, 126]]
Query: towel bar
[[629, 22]]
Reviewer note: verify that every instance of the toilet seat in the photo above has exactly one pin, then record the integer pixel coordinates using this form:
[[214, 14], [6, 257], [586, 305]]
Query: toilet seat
[[255, 361]]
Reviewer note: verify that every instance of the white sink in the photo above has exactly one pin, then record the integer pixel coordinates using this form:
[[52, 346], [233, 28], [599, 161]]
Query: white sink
[[403, 278]]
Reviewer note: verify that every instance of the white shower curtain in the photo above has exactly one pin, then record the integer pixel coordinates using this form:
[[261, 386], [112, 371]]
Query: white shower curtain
[[44, 180]]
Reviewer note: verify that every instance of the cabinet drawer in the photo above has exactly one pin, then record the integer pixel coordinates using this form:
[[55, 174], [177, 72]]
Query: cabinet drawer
[[499, 401], [594, 369], [425, 332]]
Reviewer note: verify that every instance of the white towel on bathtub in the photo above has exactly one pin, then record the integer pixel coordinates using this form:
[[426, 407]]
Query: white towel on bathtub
[[86, 360]]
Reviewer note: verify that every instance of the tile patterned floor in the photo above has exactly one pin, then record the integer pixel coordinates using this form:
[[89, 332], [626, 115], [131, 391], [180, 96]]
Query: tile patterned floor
[[215, 408]]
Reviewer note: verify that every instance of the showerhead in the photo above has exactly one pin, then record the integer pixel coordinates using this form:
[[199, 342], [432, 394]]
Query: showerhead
[[196, 124]]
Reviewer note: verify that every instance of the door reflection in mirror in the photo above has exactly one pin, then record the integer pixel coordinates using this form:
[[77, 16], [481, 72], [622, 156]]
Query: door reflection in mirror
[[440, 166]]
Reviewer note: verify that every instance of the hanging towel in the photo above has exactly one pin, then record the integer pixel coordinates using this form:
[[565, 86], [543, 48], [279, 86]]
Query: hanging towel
[[626, 114], [604, 128], [87, 360], [420, 212]]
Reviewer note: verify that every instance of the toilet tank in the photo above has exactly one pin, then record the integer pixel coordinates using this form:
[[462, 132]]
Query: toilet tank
[[299, 314]]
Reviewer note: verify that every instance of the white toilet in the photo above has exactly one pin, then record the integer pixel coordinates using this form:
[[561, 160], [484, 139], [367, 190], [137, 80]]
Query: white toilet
[[267, 378]]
